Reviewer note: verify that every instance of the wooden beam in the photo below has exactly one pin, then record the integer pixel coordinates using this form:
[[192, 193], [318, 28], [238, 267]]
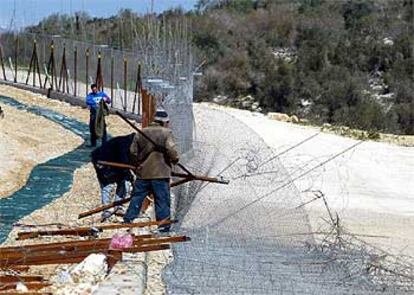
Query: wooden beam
[[18, 278], [120, 202], [19, 268], [76, 257], [174, 174], [86, 231], [29, 285], [61, 245], [91, 248], [80, 232]]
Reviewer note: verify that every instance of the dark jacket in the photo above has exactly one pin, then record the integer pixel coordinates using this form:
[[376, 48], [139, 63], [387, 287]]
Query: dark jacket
[[152, 162], [101, 113], [114, 150]]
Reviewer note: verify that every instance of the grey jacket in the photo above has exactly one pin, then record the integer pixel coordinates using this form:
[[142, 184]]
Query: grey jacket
[[152, 163]]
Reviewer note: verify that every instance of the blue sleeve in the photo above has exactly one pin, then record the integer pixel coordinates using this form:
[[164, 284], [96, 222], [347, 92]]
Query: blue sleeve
[[90, 101]]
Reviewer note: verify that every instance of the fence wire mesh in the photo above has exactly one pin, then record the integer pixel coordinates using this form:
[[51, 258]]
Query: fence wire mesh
[[253, 236]]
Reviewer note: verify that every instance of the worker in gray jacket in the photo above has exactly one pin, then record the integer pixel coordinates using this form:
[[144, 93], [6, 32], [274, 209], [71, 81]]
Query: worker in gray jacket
[[153, 162]]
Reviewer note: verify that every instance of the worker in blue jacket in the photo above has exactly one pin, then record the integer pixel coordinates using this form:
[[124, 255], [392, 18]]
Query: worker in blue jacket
[[92, 100]]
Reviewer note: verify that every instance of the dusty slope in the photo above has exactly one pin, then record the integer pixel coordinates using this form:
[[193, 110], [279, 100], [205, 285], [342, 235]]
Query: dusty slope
[[84, 193], [23, 145], [26, 140], [371, 187], [115, 125]]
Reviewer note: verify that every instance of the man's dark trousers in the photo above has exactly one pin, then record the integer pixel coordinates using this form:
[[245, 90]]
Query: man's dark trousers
[[161, 190]]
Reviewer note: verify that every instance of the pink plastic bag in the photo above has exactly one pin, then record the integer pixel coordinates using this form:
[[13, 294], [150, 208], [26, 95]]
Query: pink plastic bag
[[121, 241]]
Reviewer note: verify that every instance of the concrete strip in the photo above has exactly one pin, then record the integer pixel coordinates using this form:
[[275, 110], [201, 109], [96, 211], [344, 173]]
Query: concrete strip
[[128, 276]]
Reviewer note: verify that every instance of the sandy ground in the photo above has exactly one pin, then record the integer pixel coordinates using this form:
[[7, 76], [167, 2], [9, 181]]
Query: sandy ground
[[115, 124], [370, 187], [84, 194], [25, 141]]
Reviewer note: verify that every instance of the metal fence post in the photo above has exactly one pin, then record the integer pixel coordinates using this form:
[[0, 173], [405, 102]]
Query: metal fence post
[[75, 71], [87, 69], [2, 64], [112, 80], [99, 76], [16, 48], [125, 83]]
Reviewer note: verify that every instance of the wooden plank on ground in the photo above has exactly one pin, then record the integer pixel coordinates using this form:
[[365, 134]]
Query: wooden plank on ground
[[58, 253], [29, 285], [70, 258], [19, 278], [61, 245], [85, 231]]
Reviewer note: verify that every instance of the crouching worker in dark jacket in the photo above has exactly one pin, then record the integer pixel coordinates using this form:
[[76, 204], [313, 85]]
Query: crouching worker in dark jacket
[[114, 150], [153, 171]]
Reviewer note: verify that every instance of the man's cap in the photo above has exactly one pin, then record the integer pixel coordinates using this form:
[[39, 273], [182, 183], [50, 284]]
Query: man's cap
[[93, 85], [161, 116]]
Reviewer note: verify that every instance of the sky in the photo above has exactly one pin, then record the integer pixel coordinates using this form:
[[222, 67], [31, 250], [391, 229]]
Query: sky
[[29, 12]]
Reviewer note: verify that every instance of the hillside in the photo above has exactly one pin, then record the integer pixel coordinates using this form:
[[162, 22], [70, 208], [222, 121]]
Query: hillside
[[347, 62]]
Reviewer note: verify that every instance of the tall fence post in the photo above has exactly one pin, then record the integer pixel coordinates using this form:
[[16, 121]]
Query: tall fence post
[[75, 71], [16, 48], [34, 65], [125, 83], [138, 86], [2, 64], [112, 80], [86, 70], [63, 73], [37, 68], [51, 68], [99, 76]]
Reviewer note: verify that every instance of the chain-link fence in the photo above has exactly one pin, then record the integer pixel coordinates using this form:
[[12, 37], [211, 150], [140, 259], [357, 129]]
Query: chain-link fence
[[254, 235], [162, 65]]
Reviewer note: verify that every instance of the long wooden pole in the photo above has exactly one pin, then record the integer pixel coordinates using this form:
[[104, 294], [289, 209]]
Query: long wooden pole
[[175, 174], [149, 139], [85, 231], [75, 257]]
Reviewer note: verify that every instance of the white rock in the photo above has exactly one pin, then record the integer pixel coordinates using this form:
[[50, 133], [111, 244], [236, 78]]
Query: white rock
[[294, 119], [278, 116], [221, 99], [388, 41], [91, 270], [20, 287]]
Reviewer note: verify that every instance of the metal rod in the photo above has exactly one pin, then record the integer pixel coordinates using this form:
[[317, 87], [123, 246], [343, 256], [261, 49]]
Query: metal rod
[[30, 65], [75, 71], [137, 89], [99, 77], [112, 80], [87, 69], [125, 83], [37, 67], [16, 48], [2, 63]]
